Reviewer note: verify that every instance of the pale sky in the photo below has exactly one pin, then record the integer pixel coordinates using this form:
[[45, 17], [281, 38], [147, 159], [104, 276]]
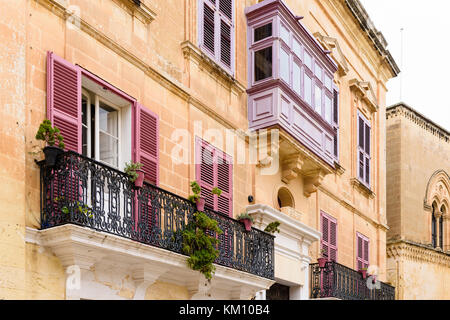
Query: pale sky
[[426, 53]]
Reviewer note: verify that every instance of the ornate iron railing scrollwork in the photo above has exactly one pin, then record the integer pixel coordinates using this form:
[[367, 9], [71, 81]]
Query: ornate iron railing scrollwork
[[338, 281], [81, 191]]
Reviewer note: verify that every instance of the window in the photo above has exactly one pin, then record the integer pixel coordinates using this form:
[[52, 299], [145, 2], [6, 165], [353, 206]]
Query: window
[[364, 150], [296, 77], [318, 99], [434, 226], [329, 236], [262, 32], [263, 64], [308, 89], [214, 169], [328, 109], [96, 118], [216, 27], [362, 255], [102, 123]]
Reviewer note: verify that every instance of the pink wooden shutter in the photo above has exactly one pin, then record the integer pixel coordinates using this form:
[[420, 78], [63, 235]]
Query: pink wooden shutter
[[224, 182], [333, 240], [147, 143], [362, 253], [329, 236], [205, 172], [208, 24], [64, 100], [325, 235], [214, 169]]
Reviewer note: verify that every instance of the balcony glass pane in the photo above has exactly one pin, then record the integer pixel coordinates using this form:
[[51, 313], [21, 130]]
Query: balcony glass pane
[[308, 89], [318, 72], [328, 109], [284, 34], [284, 65], [296, 47], [308, 60], [296, 74], [109, 135], [328, 82], [318, 99], [263, 64], [263, 32]]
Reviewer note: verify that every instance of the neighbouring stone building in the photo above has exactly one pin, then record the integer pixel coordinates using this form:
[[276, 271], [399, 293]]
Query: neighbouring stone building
[[280, 104], [418, 199]]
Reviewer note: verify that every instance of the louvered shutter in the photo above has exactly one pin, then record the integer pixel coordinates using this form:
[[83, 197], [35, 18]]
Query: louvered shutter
[[224, 183], [147, 143], [362, 252], [217, 30], [364, 145], [329, 236], [64, 111], [214, 169], [336, 124], [333, 241], [209, 26], [64, 100]]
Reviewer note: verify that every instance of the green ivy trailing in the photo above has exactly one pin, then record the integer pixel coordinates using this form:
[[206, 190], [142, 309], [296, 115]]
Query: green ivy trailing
[[200, 246]]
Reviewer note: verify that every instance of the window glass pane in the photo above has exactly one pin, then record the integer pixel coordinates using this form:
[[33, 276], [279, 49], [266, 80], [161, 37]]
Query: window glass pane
[[308, 89], [318, 72], [284, 65], [284, 34], [263, 64], [361, 133], [328, 82], [308, 60], [109, 149], [367, 140], [263, 32], [318, 99], [297, 48], [296, 78], [327, 109], [84, 134], [108, 134]]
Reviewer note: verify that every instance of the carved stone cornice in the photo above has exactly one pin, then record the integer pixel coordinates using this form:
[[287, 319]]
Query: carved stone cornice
[[332, 45], [416, 252], [365, 92], [405, 111]]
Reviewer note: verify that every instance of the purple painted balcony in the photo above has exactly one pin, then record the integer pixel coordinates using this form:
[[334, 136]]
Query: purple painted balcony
[[291, 80]]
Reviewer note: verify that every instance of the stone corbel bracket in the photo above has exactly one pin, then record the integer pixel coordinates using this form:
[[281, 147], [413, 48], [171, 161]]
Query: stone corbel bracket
[[298, 164], [364, 189], [365, 92]]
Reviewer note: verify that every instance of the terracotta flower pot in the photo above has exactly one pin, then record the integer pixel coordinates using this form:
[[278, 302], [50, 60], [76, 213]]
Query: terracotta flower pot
[[322, 262], [364, 273], [247, 223], [200, 204], [139, 182], [51, 154]]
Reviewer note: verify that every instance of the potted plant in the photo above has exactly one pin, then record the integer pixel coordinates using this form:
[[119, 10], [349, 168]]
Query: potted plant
[[134, 170], [52, 136], [363, 271], [323, 259], [246, 219]]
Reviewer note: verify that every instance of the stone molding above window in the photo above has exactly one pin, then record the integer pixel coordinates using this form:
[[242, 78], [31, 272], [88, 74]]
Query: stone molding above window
[[332, 45], [365, 92]]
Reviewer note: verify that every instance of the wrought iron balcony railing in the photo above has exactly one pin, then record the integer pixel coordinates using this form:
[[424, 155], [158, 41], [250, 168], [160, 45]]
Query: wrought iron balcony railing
[[84, 192], [341, 282]]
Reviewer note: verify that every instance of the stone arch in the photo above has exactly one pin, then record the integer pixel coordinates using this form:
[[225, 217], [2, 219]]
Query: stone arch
[[436, 201], [438, 189]]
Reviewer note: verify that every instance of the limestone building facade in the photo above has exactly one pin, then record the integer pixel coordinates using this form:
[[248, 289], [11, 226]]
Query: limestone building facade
[[418, 185], [280, 104]]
